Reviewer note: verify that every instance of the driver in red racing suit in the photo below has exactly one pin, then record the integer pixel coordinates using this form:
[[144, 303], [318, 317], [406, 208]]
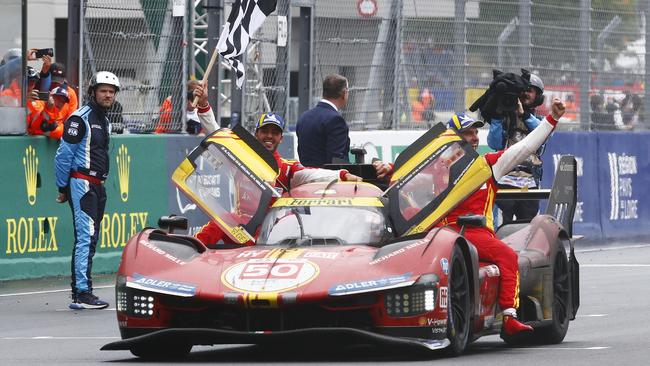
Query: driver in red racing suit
[[481, 202], [291, 173]]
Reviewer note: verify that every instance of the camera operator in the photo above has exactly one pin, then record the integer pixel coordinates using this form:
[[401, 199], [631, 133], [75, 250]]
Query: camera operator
[[504, 132]]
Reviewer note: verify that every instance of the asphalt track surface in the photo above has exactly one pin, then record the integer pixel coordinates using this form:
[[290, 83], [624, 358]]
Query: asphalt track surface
[[612, 327]]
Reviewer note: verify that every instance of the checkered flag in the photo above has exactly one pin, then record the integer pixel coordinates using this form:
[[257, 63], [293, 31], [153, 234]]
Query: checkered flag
[[245, 18]]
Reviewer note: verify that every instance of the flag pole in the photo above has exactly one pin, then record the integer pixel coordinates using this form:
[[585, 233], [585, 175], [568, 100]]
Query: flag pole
[[213, 59]]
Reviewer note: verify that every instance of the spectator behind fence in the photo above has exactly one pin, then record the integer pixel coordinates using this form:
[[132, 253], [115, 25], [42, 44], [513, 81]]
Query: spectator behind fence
[[56, 73], [42, 114], [322, 131], [193, 127], [422, 109], [10, 80]]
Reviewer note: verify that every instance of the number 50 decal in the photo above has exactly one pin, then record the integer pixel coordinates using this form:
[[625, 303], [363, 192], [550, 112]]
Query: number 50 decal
[[269, 270], [269, 275]]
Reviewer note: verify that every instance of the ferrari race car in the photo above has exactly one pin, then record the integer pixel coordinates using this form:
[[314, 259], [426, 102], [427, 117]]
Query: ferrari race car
[[340, 263]]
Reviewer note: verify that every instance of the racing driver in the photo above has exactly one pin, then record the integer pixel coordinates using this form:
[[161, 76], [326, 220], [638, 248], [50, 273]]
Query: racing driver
[[269, 131], [481, 202]]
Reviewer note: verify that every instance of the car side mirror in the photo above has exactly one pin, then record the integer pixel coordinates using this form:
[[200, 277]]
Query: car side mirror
[[470, 220], [172, 222]]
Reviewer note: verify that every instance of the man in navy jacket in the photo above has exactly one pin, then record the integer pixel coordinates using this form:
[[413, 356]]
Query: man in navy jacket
[[322, 131]]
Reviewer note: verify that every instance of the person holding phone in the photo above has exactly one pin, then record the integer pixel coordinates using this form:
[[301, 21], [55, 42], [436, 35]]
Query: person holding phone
[[43, 108]]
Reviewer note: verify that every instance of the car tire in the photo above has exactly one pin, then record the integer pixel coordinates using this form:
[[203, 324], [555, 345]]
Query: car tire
[[161, 352], [554, 333], [458, 304]]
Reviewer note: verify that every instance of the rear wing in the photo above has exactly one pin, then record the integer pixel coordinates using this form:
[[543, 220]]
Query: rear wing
[[562, 196]]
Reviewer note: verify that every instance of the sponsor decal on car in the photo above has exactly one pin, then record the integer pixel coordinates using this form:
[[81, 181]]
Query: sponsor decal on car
[[324, 255], [356, 201], [138, 281], [371, 285], [444, 264], [287, 253], [399, 251], [432, 322], [443, 297], [269, 274], [151, 246]]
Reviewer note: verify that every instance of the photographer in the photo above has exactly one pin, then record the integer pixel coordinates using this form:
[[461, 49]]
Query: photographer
[[508, 129], [43, 117]]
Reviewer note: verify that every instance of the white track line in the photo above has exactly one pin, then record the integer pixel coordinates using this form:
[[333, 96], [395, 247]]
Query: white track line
[[591, 315], [604, 265], [91, 310], [52, 338], [48, 291], [612, 248]]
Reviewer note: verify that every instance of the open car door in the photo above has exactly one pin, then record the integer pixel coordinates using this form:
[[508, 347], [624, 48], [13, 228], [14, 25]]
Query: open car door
[[431, 177], [231, 176]]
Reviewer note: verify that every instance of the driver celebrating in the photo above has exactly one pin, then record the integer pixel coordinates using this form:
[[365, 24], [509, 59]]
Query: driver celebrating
[[268, 132], [481, 202]]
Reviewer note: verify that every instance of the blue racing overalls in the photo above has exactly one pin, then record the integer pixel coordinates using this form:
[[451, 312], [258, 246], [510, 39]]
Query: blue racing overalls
[[82, 164]]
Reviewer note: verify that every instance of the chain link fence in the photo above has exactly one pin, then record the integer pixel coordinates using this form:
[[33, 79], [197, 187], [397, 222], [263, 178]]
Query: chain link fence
[[143, 44], [410, 63], [589, 53]]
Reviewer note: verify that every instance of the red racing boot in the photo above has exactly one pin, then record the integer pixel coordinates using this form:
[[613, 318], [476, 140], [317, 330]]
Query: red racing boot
[[512, 326]]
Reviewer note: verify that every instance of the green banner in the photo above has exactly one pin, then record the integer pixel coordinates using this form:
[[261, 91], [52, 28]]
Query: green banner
[[36, 233]]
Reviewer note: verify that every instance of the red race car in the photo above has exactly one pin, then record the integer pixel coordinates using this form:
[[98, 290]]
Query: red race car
[[339, 263]]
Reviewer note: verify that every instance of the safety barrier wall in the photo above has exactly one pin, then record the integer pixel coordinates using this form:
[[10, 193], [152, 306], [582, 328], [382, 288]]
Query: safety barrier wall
[[36, 233], [613, 182]]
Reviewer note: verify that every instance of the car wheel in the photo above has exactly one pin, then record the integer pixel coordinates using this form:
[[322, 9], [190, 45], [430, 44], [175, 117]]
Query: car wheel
[[458, 304], [161, 351], [555, 332]]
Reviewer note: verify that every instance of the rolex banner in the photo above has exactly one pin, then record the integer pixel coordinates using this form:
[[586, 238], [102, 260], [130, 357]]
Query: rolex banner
[[36, 234]]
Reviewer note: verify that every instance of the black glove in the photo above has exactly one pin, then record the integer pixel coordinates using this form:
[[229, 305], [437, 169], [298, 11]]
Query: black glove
[[47, 127]]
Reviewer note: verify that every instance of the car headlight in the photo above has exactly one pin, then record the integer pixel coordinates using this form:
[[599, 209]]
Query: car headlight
[[135, 303], [414, 300]]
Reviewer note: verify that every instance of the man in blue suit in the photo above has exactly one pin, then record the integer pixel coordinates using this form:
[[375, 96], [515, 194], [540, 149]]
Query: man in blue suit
[[322, 131]]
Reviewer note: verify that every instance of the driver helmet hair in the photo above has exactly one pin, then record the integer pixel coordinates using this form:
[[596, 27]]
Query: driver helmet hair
[[461, 122], [270, 118], [103, 77]]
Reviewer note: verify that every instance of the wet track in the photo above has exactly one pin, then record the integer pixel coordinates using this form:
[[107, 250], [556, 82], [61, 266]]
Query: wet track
[[36, 328]]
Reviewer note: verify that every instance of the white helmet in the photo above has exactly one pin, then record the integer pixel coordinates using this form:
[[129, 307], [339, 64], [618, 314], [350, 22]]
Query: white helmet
[[105, 77], [10, 55], [537, 82]]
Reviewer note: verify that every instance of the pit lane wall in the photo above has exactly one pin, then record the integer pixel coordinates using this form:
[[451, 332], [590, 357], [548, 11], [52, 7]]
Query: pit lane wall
[[36, 234]]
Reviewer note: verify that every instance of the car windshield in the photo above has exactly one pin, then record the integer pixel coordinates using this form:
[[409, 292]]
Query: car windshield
[[323, 225]]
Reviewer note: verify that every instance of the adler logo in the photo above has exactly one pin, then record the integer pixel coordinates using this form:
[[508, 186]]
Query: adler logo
[[123, 169], [30, 162]]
